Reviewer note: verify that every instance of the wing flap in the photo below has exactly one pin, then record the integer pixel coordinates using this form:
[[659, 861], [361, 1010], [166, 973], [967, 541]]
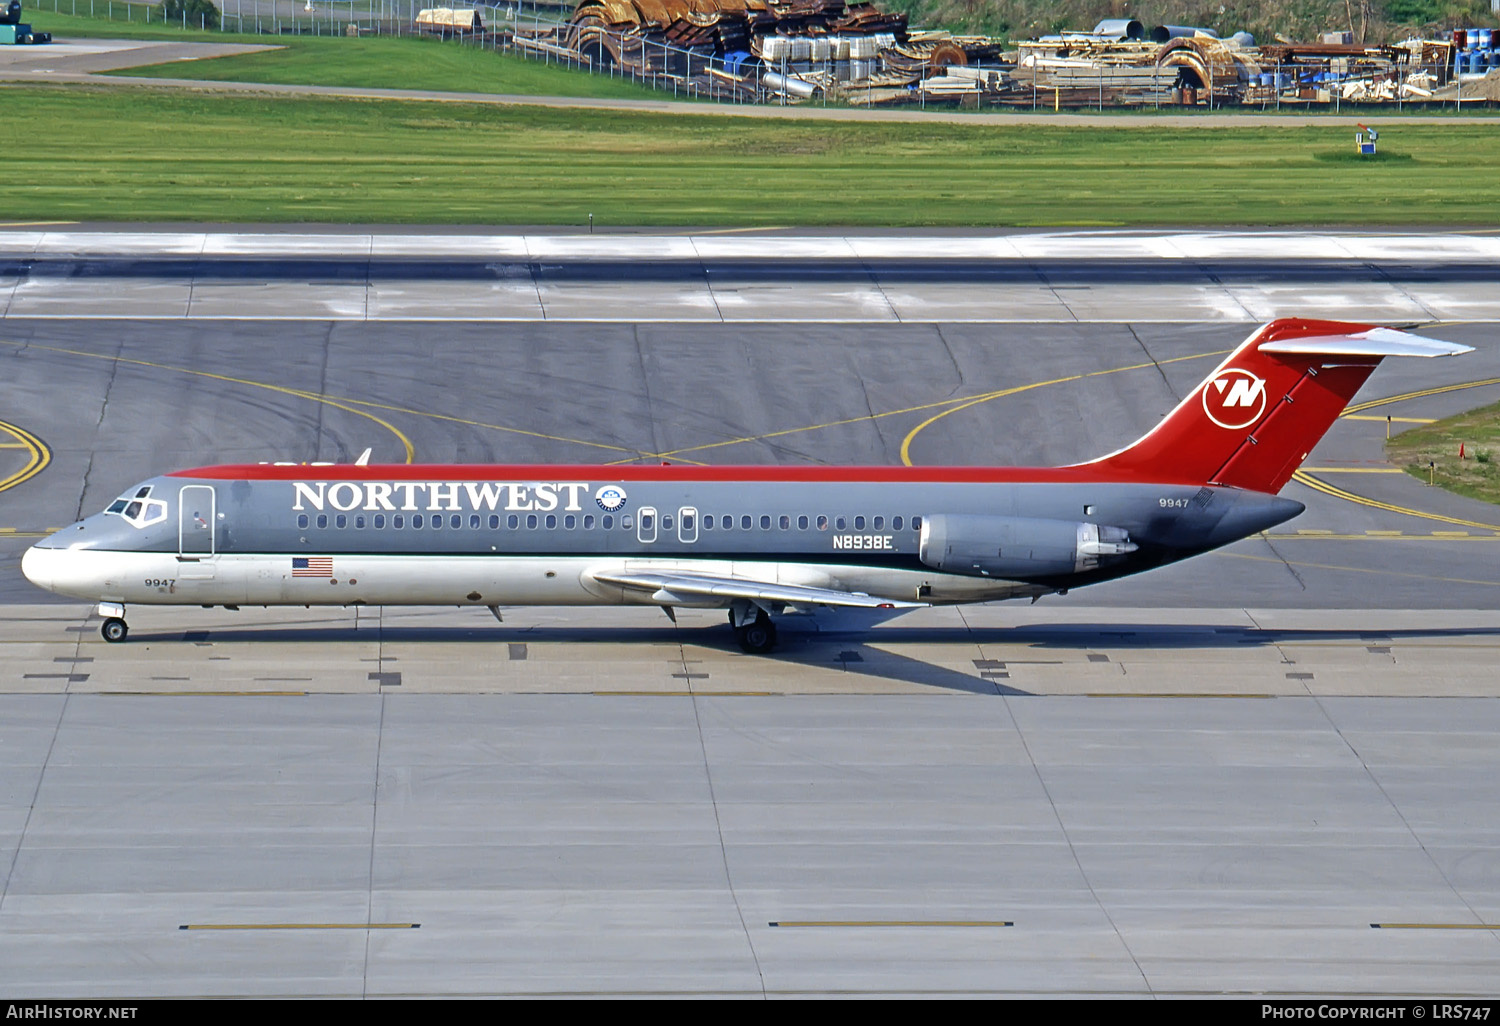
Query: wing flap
[[728, 587]]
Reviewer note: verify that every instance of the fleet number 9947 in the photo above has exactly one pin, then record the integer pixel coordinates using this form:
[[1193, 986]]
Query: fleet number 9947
[[159, 582], [1173, 503]]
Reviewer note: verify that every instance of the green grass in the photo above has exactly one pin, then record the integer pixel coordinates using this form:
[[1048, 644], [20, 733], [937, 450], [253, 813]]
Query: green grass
[[129, 21], [392, 63], [124, 153], [371, 62], [1477, 475]]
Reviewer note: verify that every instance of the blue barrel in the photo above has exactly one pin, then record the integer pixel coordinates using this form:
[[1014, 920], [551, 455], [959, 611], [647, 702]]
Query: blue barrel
[[1267, 78], [1486, 39]]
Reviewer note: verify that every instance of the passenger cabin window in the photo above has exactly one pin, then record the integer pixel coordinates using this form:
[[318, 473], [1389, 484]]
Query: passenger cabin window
[[416, 520], [802, 522], [895, 523], [822, 523], [341, 521], [322, 520], [879, 524], [859, 523], [727, 522], [398, 521], [302, 520], [841, 524], [380, 521]]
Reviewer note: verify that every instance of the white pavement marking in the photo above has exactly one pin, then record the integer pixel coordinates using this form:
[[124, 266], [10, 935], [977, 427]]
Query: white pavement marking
[[904, 277]]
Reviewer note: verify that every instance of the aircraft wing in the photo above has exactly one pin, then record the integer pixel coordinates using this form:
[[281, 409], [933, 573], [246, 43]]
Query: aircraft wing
[[684, 585]]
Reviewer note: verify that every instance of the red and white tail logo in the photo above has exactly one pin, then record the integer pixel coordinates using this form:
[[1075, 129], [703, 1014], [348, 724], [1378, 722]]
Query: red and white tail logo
[[1312, 367], [1234, 398]]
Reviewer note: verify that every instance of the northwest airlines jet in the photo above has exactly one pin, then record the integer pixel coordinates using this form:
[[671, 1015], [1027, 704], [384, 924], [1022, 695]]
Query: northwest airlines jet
[[751, 540]]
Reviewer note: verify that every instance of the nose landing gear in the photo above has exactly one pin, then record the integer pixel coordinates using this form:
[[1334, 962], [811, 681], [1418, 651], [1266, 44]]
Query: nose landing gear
[[114, 629]]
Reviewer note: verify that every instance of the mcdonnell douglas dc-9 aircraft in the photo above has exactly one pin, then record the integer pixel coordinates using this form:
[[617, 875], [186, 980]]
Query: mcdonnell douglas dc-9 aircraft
[[752, 540]]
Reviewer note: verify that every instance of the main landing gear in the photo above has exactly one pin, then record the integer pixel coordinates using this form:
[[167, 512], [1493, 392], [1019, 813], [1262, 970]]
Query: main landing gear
[[114, 629], [753, 629]]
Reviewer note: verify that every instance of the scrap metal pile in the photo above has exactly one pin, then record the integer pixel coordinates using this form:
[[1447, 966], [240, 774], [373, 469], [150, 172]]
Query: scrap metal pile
[[797, 50]]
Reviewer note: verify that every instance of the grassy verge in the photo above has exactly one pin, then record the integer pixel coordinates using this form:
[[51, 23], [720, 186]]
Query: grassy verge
[[371, 62], [129, 21], [85, 153], [392, 63], [1477, 475]]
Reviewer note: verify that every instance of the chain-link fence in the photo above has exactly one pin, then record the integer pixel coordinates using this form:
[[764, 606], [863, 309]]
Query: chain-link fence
[[860, 71]]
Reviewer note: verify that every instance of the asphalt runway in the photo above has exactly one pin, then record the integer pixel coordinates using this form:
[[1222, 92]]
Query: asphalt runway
[[1267, 771]]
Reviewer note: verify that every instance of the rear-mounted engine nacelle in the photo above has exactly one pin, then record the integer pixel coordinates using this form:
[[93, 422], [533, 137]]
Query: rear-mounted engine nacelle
[[1017, 547]]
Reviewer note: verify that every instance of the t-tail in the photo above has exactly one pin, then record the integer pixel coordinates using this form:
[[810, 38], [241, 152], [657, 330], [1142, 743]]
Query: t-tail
[[1252, 422]]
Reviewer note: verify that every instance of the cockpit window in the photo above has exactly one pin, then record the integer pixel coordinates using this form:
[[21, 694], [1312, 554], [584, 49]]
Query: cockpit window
[[139, 510]]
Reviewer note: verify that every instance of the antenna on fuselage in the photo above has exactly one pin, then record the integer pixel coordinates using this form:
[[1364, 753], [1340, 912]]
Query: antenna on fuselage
[[364, 459]]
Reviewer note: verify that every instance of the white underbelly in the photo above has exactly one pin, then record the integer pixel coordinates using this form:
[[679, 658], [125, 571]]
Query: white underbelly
[[165, 579]]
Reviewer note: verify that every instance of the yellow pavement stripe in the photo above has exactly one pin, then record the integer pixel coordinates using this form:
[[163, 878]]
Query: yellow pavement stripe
[[1394, 420], [1176, 694], [906, 442], [297, 392], [1354, 470], [1385, 536], [1357, 569], [1361, 407], [299, 926], [1307, 479], [635, 454], [40, 456], [890, 922]]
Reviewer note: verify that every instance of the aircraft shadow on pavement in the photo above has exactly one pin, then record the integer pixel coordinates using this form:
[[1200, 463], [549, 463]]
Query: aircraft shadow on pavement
[[804, 645]]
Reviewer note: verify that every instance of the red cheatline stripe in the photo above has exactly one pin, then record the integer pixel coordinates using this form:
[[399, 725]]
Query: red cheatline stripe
[[569, 472]]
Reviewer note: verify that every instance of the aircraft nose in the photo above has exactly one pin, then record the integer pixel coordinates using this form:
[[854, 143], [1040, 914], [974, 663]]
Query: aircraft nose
[[37, 565]]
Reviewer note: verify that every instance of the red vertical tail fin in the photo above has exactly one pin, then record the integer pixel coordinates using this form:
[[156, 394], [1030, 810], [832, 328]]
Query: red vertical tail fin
[[1253, 420]]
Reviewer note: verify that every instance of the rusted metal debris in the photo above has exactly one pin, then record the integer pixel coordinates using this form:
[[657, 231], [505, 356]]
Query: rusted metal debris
[[793, 51]]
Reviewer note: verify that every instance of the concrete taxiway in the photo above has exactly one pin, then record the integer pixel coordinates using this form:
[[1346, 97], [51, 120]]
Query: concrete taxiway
[[1266, 771]]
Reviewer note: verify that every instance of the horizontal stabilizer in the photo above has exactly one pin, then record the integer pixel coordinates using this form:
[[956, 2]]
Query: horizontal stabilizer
[[1374, 342], [686, 583]]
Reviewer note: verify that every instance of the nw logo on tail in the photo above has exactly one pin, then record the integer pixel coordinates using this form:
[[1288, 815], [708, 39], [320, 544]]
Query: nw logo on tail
[[1234, 399]]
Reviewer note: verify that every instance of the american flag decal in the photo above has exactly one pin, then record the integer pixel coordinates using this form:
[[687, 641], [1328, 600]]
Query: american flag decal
[[312, 566]]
